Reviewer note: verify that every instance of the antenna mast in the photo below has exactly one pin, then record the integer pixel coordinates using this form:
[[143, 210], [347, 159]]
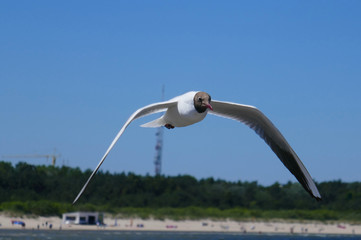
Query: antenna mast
[[159, 146]]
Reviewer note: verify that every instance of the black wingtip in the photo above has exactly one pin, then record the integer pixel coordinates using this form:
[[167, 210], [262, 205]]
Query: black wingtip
[[318, 199], [314, 194]]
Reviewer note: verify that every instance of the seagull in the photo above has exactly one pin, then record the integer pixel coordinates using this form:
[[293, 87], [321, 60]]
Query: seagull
[[192, 107]]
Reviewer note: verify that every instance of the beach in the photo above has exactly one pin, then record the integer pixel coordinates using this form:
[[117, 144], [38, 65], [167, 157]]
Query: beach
[[205, 225]]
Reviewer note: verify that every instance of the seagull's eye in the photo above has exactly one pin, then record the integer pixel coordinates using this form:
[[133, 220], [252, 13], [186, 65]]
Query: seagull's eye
[[200, 99]]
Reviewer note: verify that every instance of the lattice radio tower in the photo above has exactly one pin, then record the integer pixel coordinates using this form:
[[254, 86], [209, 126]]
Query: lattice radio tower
[[159, 146]]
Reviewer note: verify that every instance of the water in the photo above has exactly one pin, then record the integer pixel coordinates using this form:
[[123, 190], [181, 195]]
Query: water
[[145, 235]]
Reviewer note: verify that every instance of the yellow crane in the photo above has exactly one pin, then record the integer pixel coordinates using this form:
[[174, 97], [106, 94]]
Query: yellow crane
[[53, 157]]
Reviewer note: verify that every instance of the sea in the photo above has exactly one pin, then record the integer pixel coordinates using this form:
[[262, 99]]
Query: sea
[[153, 235]]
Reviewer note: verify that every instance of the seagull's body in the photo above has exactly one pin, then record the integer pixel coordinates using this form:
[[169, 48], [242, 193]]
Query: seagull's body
[[193, 107], [180, 113]]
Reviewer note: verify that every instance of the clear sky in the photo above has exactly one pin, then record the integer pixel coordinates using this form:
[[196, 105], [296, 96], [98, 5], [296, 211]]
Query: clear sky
[[72, 72]]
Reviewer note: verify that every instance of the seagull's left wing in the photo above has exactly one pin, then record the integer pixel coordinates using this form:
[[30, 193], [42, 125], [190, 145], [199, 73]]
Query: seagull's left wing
[[150, 109], [256, 120]]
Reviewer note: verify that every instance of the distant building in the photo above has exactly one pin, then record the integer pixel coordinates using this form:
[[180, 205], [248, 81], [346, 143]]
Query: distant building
[[89, 218]]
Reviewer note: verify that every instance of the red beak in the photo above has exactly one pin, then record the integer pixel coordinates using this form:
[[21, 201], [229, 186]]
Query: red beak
[[209, 106]]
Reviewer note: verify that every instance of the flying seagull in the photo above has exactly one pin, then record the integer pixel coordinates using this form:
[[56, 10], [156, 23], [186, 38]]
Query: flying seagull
[[192, 107]]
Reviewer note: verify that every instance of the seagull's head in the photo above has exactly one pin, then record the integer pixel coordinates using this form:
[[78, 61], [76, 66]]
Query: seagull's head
[[202, 102]]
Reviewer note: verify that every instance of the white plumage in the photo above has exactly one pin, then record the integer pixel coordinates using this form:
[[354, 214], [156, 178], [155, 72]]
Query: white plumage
[[180, 114], [192, 107]]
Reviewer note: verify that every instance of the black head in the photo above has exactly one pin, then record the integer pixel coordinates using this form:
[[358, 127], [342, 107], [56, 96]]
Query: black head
[[202, 101]]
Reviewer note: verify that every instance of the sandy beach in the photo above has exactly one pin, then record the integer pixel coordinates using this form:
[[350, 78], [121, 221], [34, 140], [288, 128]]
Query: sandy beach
[[206, 225]]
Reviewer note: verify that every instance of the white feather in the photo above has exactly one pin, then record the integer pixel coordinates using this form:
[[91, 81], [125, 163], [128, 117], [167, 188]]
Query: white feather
[[180, 112]]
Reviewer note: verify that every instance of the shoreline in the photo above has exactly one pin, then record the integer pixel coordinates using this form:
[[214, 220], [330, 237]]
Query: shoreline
[[275, 227]]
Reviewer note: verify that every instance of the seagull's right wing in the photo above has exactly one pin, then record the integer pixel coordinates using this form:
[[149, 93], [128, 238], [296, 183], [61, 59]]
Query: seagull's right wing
[[256, 120], [150, 109]]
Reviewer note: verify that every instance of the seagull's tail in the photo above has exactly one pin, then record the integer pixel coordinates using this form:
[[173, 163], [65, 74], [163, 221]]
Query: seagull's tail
[[155, 123]]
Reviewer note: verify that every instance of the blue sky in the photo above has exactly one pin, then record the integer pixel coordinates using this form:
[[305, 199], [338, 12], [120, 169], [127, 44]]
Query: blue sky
[[72, 72]]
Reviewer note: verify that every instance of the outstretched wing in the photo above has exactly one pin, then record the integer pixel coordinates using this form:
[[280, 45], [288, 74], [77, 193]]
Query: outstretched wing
[[256, 120], [153, 108]]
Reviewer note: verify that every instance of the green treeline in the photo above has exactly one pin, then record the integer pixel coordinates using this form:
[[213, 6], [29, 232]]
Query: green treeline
[[48, 190]]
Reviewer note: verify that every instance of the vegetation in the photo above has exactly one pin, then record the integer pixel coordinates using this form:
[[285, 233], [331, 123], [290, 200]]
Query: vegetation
[[48, 190]]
